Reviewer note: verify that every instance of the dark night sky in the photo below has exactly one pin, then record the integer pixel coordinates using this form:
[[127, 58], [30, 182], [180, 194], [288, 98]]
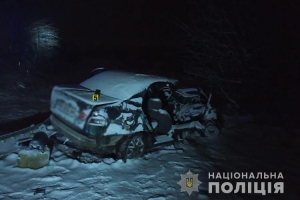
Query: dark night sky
[[131, 26], [103, 22], [151, 22]]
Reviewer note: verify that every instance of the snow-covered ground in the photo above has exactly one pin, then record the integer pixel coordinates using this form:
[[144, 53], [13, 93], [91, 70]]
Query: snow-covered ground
[[153, 178], [156, 175], [243, 147]]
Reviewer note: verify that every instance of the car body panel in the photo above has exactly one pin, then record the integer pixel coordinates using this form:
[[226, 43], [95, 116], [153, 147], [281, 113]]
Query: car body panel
[[122, 109], [74, 103], [122, 85], [122, 118]]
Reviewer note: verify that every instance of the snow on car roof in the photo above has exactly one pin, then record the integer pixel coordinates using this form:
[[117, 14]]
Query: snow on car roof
[[122, 85]]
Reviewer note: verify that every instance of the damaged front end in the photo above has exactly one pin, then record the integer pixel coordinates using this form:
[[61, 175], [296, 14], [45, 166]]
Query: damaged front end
[[195, 115]]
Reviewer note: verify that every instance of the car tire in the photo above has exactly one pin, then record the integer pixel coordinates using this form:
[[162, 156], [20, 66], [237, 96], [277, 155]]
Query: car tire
[[211, 129], [132, 146]]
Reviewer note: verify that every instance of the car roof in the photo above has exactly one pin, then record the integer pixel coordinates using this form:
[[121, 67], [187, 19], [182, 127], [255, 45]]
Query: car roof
[[122, 85]]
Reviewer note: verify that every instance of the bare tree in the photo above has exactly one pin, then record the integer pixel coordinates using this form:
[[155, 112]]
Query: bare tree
[[217, 53]]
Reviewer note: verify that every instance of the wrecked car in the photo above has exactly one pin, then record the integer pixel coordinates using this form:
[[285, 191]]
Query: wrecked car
[[126, 114]]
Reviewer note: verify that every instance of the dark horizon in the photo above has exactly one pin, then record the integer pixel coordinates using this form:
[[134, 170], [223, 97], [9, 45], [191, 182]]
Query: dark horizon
[[144, 34], [147, 23]]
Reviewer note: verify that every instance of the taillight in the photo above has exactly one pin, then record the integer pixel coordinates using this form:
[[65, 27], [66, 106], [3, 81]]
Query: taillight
[[98, 118], [82, 115]]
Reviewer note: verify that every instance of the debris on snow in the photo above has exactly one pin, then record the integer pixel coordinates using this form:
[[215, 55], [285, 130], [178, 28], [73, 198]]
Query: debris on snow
[[33, 158]]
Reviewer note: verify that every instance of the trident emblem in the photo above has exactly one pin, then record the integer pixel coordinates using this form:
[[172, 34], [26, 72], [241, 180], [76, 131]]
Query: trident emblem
[[189, 182]]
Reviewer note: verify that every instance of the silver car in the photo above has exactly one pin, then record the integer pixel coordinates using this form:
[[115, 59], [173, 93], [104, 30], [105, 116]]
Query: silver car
[[126, 114]]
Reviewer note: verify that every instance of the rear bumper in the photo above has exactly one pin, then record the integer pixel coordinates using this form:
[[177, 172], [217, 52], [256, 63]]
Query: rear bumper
[[105, 145], [79, 140]]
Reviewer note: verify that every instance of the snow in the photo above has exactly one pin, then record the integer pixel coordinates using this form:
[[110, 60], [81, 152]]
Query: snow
[[116, 129], [10, 145], [156, 175], [153, 177], [69, 179], [243, 148], [82, 94], [122, 85], [127, 105]]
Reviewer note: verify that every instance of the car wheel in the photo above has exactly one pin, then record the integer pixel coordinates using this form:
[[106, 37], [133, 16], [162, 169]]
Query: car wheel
[[133, 146], [211, 129]]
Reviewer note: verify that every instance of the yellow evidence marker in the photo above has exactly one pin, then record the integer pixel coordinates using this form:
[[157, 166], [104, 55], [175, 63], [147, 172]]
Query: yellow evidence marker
[[96, 95]]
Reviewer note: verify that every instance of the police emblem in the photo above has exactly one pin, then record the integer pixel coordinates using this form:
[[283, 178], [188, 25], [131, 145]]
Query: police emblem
[[189, 182]]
